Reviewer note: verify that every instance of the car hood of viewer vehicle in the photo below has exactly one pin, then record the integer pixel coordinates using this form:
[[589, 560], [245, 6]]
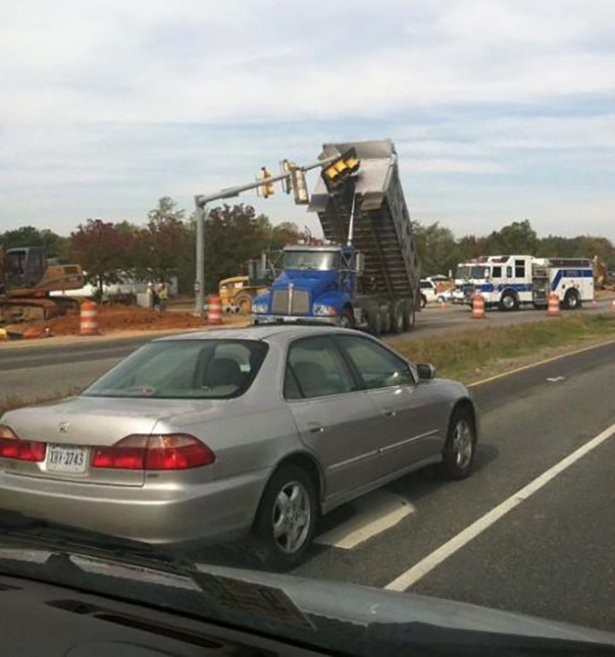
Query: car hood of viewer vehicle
[[346, 618], [105, 420]]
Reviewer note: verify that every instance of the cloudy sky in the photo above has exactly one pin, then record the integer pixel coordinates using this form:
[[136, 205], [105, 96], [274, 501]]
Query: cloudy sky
[[500, 110]]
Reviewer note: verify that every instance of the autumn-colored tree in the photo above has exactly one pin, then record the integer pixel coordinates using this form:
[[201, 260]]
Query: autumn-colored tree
[[102, 250]]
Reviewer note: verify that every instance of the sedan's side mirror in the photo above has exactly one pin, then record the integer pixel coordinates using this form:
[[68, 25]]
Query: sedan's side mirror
[[426, 371]]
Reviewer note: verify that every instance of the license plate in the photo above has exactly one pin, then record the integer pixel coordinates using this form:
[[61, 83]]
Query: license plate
[[65, 458]]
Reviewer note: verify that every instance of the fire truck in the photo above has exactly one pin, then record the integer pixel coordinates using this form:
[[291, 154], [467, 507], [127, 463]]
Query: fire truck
[[511, 281]]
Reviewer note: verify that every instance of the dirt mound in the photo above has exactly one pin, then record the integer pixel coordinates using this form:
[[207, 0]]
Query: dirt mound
[[122, 318]]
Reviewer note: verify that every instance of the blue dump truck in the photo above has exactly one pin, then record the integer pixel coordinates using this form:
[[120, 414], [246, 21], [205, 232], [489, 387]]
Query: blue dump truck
[[367, 274]]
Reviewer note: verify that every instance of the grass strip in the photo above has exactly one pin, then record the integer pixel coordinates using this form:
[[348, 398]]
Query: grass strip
[[474, 354]]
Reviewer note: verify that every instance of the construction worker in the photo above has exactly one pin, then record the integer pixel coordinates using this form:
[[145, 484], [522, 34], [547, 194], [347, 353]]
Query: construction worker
[[163, 296]]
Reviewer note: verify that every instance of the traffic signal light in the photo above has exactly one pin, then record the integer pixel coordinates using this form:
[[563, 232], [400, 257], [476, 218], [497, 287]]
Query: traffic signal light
[[295, 182], [337, 172], [299, 185], [267, 188]]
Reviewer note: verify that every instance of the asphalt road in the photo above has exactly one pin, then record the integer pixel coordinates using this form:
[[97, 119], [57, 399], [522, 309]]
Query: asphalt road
[[553, 555], [63, 366]]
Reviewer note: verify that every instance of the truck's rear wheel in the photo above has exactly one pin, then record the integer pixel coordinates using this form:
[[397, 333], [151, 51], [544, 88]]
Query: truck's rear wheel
[[387, 319], [398, 318], [409, 315], [374, 322]]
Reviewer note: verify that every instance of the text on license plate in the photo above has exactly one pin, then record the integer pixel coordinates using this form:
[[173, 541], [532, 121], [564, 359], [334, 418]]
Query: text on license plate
[[65, 458]]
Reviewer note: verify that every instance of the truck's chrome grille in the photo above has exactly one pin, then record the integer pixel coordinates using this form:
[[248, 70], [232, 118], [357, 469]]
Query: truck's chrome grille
[[300, 303]]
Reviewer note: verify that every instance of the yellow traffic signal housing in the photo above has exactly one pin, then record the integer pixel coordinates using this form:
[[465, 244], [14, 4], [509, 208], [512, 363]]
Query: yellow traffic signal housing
[[267, 189], [299, 185], [295, 182], [337, 172]]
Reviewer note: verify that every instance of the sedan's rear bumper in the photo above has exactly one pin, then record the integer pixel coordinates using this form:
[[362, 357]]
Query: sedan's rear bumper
[[209, 513]]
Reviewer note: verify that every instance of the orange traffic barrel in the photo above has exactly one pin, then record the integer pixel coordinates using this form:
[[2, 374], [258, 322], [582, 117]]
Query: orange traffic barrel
[[88, 324], [214, 311], [478, 306], [553, 307]]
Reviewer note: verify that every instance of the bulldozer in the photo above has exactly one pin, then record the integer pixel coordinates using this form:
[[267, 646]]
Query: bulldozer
[[27, 277]]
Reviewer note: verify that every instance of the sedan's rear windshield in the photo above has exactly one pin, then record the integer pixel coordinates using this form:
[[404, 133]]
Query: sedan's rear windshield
[[184, 369]]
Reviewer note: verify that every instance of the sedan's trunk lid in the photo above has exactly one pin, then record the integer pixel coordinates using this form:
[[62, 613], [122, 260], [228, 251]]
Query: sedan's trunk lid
[[72, 430]]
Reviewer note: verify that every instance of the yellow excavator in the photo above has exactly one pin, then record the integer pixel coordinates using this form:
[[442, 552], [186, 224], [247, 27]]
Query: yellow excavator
[[27, 277]]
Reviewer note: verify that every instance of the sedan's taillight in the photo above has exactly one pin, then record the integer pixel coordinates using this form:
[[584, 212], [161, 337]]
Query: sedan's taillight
[[12, 447], [173, 451]]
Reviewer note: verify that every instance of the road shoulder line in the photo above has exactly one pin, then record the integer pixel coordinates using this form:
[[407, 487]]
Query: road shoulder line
[[431, 561], [545, 361]]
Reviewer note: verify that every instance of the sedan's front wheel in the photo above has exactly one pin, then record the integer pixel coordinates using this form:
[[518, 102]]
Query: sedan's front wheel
[[458, 454], [286, 518]]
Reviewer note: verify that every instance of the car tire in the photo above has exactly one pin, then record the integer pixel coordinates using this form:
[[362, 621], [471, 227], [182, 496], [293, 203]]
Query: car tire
[[347, 318], [572, 301], [423, 301], [409, 315], [374, 322], [387, 319], [398, 318], [243, 303], [509, 301], [460, 445], [283, 548]]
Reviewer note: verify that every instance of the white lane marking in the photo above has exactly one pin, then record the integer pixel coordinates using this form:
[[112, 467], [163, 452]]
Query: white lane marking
[[426, 565], [555, 379], [376, 513]]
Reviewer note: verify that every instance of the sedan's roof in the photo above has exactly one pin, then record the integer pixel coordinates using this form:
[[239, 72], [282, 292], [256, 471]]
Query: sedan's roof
[[263, 332]]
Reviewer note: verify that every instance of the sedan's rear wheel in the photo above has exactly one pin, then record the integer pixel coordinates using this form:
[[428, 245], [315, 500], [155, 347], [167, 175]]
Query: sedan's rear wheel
[[286, 518], [458, 454]]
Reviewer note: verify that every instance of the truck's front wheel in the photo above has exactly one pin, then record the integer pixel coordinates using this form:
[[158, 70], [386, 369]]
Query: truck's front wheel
[[347, 318]]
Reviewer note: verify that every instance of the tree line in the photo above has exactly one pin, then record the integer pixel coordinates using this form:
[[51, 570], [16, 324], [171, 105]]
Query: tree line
[[164, 245], [440, 251]]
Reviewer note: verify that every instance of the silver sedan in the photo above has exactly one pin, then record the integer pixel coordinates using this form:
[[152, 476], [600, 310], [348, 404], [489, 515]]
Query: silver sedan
[[214, 436]]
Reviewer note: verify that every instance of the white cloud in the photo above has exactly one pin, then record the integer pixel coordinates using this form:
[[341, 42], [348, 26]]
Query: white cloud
[[109, 104]]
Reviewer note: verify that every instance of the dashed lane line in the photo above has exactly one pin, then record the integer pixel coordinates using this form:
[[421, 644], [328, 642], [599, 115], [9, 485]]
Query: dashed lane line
[[375, 513]]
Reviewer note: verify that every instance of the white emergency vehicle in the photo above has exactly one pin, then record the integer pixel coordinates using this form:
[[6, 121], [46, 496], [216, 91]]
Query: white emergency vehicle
[[513, 280]]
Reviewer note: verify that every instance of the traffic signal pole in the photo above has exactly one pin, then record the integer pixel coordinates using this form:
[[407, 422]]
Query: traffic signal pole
[[201, 213]]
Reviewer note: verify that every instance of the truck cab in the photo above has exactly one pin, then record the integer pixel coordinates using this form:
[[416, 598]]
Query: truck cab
[[317, 282]]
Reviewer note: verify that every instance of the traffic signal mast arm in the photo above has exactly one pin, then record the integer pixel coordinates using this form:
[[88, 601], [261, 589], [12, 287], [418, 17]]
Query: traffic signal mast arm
[[201, 200]]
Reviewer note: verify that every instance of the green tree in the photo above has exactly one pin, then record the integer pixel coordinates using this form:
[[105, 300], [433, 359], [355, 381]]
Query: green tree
[[518, 237], [55, 245], [437, 248]]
